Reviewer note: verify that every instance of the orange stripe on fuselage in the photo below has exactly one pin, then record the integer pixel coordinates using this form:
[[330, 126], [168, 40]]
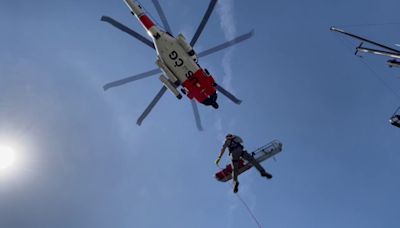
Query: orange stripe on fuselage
[[199, 86], [146, 21]]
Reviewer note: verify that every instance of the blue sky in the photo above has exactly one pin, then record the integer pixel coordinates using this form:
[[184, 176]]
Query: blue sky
[[87, 164]]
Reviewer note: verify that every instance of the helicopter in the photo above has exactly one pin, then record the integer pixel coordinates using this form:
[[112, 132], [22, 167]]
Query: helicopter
[[176, 60], [388, 51]]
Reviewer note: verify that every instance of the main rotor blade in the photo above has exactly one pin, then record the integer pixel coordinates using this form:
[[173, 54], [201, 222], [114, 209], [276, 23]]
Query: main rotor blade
[[163, 18], [365, 40], [203, 22], [128, 30], [227, 44], [228, 94], [196, 115], [131, 79], [151, 105]]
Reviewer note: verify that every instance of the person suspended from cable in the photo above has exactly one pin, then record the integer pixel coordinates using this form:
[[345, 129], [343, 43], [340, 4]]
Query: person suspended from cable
[[237, 153]]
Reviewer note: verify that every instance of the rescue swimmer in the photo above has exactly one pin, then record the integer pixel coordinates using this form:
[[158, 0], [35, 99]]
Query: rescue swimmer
[[237, 152]]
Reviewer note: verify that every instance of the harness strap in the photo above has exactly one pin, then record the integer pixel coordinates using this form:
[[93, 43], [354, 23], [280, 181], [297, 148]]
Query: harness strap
[[233, 145]]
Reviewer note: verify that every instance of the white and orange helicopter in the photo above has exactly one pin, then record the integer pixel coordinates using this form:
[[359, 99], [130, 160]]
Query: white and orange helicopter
[[176, 60]]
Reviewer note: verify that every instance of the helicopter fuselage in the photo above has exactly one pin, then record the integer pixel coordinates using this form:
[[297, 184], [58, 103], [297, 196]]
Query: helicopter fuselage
[[178, 61]]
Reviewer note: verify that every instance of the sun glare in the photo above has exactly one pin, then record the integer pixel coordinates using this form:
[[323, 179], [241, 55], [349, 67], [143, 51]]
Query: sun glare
[[7, 157]]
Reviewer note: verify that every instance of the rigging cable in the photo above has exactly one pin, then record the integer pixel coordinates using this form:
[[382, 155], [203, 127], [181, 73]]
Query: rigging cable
[[374, 73], [395, 112], [248, 209], [379, 78], [243, 202]]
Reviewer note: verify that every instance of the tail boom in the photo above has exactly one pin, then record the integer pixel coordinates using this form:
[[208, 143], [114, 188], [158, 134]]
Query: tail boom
[[145, 20]]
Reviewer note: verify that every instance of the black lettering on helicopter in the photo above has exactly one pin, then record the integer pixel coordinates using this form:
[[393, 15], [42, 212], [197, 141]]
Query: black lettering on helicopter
[[189, 74], [173, 55], [179, 62]]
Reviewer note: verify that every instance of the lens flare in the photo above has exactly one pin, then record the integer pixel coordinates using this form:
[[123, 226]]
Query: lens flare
[[7, 157]]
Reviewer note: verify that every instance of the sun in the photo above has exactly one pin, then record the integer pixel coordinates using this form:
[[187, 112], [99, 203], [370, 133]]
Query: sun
[[7, 157]]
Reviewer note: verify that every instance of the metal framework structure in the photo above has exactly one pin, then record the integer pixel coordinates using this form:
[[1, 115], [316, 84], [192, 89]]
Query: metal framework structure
[[387, 51]]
